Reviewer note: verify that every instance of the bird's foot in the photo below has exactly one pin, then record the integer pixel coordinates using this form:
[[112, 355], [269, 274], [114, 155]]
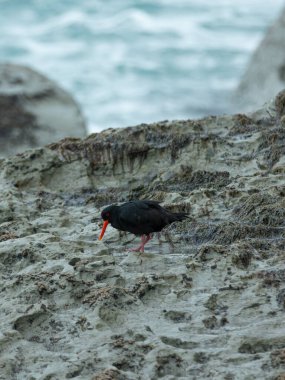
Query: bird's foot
[[137, 249]]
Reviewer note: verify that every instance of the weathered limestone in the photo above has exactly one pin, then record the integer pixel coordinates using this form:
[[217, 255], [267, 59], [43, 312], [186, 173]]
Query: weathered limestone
[[212, 307]]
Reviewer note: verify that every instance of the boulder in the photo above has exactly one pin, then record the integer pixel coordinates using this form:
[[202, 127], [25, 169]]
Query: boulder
[[34, 111], [265, 74]]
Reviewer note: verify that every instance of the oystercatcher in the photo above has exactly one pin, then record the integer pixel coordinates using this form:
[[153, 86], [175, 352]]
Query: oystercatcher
[[140, 218]]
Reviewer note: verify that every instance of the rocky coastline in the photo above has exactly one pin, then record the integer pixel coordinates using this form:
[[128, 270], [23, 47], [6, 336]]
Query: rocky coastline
[[213, 306]]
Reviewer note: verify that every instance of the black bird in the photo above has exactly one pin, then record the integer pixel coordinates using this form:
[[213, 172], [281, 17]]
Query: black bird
[[140, 218]]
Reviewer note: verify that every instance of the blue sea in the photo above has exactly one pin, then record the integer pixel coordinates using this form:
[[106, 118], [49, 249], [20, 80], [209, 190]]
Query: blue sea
[[132, 61]]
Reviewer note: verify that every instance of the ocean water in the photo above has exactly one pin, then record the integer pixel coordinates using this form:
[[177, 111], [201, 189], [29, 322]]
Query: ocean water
[[132, 61]]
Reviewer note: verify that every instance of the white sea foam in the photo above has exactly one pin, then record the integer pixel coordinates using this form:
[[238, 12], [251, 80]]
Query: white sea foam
[[131, 61]]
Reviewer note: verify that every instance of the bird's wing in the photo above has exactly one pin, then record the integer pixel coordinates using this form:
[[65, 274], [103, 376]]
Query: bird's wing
[[142, 215], [150, 204]]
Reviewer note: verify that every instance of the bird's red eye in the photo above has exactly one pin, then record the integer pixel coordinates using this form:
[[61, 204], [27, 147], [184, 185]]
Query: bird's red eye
[[106, 215]]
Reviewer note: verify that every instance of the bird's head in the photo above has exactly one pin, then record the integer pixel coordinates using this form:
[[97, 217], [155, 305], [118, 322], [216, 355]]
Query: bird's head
[[106, 215]]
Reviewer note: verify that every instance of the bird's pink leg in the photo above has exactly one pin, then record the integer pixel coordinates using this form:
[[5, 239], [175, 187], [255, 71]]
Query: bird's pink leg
[[147, 238], [140, 248]]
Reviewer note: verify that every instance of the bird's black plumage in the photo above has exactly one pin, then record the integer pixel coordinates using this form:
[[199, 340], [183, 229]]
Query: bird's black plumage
[[140, 218]]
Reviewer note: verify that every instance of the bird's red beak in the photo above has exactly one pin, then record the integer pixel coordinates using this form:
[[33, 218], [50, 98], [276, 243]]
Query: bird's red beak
[[105, 224]]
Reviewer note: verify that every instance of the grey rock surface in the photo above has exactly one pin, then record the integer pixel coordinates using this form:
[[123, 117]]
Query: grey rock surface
[[265, 74], [34, 111], [211, 307]]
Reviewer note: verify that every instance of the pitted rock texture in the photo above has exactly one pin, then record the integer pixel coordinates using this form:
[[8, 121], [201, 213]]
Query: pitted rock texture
[[206, 299]]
